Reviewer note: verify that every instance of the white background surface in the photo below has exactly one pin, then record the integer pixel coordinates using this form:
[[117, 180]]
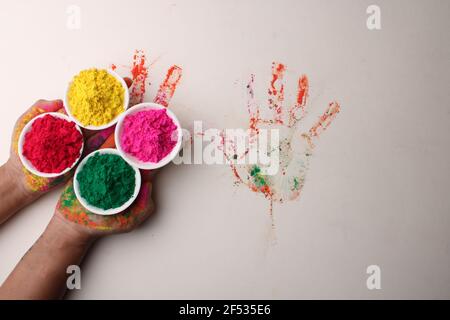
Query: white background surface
[[377, 189]]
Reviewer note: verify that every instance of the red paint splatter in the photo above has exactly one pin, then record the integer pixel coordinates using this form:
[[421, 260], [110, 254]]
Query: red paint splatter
[[325, 119], [302, 96], [278, 70], [303, 87], [169, 85], [276, 90], [139, 73]]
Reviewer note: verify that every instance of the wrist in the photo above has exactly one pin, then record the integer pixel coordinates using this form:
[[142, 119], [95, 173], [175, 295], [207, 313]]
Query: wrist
[[13, 177], [12, 191], [69, 233]]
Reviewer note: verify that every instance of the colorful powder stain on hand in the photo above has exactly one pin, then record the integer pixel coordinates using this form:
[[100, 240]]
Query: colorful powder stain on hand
[[295, 147], [71, 209]]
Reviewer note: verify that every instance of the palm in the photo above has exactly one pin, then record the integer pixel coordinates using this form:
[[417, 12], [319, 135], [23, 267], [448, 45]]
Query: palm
[[71, 209]]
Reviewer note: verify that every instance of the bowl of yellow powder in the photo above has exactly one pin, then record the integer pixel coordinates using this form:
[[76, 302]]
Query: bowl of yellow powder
[[95, 98]]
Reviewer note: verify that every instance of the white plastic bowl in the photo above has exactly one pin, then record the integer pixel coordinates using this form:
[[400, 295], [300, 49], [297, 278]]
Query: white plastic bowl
[[126, 100], [132, 159], [97, 210], [27, 164]]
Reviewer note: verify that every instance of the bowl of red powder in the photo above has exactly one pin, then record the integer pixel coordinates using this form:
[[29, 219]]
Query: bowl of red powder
[[50, 145], [105, 183], [148, 135]]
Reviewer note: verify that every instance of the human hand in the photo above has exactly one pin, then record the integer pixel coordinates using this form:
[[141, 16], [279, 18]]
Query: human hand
[[83, 221], [88, 223], [32, 185]]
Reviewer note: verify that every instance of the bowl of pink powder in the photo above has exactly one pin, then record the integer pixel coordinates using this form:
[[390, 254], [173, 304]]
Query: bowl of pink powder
[[148, 136]]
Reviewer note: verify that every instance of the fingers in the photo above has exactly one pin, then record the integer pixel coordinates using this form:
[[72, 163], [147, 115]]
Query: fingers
[[128, 81], [49, 106], [169, 85], [276, 91], [324, 120], [298, 111], [36, 109], [144, 200], [40, 106], [147, 175]]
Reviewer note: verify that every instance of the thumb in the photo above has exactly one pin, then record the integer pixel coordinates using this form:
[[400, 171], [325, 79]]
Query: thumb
[[49, 105]]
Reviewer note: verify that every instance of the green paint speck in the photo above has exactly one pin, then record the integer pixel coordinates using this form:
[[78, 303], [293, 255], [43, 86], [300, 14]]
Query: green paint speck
[[258, 178], [296, 183]]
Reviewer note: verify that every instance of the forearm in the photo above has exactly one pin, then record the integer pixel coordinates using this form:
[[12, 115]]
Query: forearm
[[13, 194], [41, 274]]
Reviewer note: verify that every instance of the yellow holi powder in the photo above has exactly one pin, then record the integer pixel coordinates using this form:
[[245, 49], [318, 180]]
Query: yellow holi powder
[[95, 97]]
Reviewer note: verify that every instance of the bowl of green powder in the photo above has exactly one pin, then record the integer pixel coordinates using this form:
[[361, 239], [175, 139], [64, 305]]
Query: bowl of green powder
[[105, 183]]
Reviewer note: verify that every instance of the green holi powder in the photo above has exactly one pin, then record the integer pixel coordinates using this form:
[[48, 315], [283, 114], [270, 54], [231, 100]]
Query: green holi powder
[[54, 182], [106, 181], [68, 197], [258, 178]]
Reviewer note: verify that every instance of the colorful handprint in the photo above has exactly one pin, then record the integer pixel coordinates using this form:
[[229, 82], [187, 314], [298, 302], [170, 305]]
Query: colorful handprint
[[295, 148]]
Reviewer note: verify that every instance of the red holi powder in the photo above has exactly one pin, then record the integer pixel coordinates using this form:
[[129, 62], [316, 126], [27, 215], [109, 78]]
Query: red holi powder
[[53, 144], [113, 67], [169, 85]]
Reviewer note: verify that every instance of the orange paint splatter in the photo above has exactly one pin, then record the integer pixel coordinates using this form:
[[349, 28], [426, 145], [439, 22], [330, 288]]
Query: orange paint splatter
[[325, 119], [169, 85], [302, 96], [278, 70], [276, 91], [139, 73]]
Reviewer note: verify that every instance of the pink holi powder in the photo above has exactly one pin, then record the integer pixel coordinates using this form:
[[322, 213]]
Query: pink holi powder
[[148, 135]]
